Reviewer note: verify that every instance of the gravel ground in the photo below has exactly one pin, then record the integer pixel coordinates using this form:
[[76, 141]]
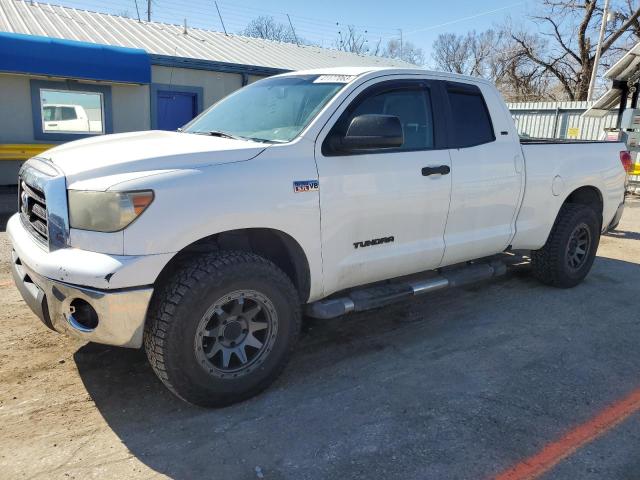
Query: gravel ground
[[461, 384]]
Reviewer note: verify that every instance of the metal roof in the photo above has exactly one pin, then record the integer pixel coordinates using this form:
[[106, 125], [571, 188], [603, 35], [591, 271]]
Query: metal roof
[[18, 16]]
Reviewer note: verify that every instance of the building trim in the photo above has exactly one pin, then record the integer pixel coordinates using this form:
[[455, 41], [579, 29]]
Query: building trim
[[36, 111], [213, 66]]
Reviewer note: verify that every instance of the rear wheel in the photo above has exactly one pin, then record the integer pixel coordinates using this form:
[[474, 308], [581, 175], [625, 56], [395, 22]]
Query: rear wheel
[[223, 328], [567, 257]]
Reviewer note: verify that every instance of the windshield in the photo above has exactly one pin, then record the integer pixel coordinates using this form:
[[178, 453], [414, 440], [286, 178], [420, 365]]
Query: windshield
[[271, 110]]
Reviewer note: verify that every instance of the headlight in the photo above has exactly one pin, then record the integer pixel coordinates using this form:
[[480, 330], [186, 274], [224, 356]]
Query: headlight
[[106, 211]]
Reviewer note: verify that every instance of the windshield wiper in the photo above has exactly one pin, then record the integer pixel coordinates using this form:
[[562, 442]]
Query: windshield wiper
[[219, 133]]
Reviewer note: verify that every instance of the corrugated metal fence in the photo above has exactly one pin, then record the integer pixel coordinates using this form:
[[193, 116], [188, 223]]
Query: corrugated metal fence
[[559, 120]]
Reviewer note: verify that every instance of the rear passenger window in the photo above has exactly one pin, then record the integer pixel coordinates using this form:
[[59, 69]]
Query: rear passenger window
[[68, 113], [471, 120]]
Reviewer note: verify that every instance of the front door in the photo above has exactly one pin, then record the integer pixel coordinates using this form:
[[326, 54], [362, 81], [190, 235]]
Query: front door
[[175, 109], [381, 217]]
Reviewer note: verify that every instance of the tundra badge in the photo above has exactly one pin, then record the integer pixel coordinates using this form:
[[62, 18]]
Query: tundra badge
[[373, 241]]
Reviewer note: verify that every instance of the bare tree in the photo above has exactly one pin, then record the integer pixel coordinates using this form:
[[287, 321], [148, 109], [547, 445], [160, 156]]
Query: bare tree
[[492, 54], [519, 79], [565, 47], [350, 39], [451, 53], [406, 51], [470, 54], [268, 28]]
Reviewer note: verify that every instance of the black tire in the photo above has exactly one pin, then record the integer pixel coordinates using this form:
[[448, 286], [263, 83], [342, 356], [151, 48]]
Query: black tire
[[177, 317], [557, 263]]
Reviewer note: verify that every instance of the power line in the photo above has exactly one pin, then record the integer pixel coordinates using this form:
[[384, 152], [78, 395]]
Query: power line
[[322, 33], [464, 19]]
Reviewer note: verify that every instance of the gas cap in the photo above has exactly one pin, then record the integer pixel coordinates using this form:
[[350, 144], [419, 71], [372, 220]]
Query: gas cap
[[557, 186]]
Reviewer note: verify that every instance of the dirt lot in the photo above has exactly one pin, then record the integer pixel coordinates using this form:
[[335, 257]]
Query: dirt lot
[[465, 384]]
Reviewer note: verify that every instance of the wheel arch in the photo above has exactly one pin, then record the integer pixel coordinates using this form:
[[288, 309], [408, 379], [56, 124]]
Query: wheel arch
[[275, 245], [587, 195]]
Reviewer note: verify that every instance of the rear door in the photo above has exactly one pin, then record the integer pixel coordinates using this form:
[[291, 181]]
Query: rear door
[[381, 217], [487, 173]]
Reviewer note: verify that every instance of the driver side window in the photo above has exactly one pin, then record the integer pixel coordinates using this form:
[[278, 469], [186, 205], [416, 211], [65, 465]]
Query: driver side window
[[411, 105]]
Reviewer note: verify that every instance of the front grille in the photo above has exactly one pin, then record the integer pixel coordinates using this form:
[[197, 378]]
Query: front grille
[[33, 210]]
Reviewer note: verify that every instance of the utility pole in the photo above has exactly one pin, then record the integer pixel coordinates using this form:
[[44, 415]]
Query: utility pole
[[596, 60], [401, 46], [148, 10], [293, 30], [220, 17], [137, 10]]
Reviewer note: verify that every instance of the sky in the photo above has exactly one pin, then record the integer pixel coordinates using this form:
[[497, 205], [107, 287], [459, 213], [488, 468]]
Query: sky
[[320, 21]]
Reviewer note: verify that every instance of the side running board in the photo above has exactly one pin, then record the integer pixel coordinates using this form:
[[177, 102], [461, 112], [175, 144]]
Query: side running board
[[378, 296]]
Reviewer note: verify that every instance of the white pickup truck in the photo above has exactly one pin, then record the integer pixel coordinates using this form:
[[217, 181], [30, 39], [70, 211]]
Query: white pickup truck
[[68, 118], [323, 192]]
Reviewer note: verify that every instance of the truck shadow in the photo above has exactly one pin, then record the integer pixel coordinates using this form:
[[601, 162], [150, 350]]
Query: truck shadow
[[393, 390]]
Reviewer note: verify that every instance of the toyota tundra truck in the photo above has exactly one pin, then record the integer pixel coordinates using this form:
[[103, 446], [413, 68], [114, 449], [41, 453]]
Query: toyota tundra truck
[[313, 193]]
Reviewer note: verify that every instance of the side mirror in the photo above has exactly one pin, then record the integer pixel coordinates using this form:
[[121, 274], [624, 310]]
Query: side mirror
[[371, 131]]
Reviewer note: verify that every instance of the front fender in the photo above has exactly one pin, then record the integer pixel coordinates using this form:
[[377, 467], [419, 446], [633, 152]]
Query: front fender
[[193, 204]]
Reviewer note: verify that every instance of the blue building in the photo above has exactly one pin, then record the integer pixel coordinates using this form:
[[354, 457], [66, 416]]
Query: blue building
[[67, 74]]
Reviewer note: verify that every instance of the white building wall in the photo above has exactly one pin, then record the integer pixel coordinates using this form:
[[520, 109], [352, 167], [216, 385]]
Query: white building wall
[[216, 85]]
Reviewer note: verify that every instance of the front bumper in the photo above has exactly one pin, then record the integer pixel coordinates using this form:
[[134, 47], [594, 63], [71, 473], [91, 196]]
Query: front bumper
[[118, 288], [121, 313]]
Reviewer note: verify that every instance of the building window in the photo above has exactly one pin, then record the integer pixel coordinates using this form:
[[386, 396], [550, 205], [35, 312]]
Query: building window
[[71, 112], [64, 111]]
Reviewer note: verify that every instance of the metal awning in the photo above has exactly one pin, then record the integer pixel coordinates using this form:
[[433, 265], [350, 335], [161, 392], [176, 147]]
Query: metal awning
[[624, 71], [30, 54], [604, 104]]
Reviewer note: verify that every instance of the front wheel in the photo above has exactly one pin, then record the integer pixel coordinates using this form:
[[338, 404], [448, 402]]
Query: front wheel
[[223, 328], [567, 257]]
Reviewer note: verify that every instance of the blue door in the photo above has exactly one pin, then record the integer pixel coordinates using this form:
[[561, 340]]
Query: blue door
[[175, 109]]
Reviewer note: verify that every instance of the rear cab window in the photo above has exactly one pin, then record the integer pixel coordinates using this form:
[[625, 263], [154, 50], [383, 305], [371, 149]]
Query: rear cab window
[[470, 120]]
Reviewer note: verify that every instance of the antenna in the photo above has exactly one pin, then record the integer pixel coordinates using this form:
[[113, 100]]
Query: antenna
[[221, 21], [293, 30], [185, 31], [137, 11]]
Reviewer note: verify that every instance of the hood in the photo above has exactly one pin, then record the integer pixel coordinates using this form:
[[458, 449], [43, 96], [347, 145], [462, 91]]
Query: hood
[[128, 153]]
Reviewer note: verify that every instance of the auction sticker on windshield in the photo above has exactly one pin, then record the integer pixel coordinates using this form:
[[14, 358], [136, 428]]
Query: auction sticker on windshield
[[334, 79]]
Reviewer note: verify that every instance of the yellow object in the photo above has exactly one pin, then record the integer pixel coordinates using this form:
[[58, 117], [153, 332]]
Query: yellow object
[[635, 170], [573, 132], [22, 151]]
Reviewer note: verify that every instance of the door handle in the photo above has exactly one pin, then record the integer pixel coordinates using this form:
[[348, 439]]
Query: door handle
[[441, 170]]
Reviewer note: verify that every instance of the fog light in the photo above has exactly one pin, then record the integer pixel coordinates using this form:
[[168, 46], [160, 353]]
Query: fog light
[[82, 316]]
